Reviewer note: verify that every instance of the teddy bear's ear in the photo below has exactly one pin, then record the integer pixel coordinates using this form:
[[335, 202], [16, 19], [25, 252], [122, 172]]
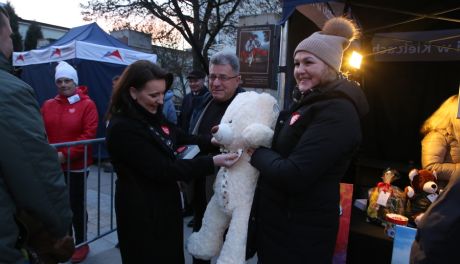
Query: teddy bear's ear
[[412, 174], [435, 174], [409, 191]]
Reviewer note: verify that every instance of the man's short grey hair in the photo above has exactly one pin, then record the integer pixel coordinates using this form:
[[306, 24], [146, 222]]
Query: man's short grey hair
[[226, 58]]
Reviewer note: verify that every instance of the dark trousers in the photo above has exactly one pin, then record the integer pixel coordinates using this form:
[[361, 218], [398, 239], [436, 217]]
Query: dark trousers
[[77, 203], [199, 206], [149, 231]]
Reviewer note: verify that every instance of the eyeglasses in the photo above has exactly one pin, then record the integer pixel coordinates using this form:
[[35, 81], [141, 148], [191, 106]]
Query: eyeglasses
[[66, 81], [221, 78]]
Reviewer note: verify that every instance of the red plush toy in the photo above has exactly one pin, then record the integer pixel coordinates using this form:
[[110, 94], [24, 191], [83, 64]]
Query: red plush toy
[[422, 193]]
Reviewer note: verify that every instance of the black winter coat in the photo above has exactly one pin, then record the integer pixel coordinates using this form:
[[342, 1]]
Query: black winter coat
[[192, 107], [147, 197], [438, 233], [296, 206]]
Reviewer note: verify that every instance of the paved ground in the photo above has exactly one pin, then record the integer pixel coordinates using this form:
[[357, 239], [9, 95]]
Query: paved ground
[[103, 250]]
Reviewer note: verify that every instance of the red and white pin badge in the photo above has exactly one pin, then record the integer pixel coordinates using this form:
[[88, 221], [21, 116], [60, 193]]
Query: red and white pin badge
[[295, 116], [165, 129]]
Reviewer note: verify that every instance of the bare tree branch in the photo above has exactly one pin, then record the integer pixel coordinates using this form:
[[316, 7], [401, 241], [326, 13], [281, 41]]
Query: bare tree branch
[[198, 22]]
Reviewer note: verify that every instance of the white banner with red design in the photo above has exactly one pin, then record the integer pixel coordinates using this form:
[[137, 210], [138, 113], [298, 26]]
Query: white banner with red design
[[81, 50]]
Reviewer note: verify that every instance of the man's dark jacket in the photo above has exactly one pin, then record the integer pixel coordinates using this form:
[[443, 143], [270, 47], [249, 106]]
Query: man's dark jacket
[[31, 179]]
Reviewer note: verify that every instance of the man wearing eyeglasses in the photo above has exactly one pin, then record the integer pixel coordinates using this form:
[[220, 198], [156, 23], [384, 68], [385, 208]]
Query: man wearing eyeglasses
[[224, 83], [72, 116], [31, 181]]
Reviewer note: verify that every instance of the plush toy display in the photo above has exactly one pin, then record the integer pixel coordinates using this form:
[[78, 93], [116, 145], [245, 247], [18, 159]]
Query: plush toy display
[[385, 198], [248, 122], [422, 193]]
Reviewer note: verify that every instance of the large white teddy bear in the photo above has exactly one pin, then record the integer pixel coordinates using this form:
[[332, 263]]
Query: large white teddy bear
[[248, 122]]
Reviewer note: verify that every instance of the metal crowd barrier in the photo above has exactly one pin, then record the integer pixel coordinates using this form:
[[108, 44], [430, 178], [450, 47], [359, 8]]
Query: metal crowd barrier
[[99, 198]]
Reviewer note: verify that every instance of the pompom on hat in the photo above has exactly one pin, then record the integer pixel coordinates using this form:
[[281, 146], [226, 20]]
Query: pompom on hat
[[329, 44], [64, 70]]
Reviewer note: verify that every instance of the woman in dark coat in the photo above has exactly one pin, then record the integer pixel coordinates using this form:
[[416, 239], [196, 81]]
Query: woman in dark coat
[[142, 145], [296, 205], [438, 233]]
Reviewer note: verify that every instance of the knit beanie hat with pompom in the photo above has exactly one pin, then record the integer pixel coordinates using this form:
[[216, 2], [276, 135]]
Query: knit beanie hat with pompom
[[329, 44]]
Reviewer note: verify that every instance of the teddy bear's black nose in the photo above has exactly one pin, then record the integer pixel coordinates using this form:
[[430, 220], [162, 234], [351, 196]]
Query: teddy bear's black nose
[[434, 186]]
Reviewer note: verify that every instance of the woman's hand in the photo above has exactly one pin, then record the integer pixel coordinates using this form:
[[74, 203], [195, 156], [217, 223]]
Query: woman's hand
[[226, 160]]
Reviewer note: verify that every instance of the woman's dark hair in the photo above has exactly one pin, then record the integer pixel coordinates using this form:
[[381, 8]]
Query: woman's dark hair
[[135, 75]]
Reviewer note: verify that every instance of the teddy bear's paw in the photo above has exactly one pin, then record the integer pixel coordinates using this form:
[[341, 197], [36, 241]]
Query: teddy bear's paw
[[256, 135], [201, 249], [193, 245], [224, 259]]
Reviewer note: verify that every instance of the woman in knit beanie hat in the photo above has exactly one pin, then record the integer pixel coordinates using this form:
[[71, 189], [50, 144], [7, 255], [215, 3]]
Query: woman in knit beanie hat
[[323, 47], [72, 116], [295, 214]]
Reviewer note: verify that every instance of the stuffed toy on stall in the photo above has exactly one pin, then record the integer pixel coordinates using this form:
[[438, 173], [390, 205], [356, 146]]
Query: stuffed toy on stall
[[422, 193], [385, 198], [248, 122]]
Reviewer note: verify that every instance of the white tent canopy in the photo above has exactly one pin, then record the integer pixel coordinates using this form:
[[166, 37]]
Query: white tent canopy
[[88, 42]]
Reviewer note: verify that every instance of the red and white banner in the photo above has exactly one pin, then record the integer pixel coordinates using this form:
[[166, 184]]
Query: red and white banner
[[81, 50]]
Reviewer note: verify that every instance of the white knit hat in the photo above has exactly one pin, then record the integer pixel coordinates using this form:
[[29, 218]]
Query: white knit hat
[[64, 70], [329, 44]]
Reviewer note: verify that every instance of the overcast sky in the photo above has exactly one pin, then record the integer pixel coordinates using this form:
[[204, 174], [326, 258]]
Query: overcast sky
[[65, 13]]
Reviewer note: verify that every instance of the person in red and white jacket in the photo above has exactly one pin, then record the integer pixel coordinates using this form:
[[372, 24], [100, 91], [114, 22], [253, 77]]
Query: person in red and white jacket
[[72, 116]]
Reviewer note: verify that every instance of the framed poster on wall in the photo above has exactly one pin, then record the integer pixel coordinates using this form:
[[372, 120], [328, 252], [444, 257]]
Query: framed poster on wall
[[255, 48]]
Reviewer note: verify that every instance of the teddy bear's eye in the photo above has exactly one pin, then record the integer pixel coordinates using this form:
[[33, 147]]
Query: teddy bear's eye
[[230, 121]]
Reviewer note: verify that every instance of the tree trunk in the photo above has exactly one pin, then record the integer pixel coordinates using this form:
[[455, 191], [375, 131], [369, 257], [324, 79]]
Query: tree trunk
[[199, 63]]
